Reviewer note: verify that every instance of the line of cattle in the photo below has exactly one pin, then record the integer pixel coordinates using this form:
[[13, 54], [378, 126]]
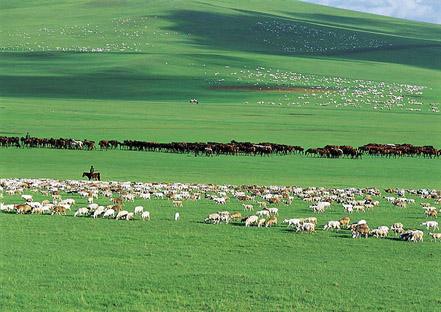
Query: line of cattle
[[118, 194], [232, 148]]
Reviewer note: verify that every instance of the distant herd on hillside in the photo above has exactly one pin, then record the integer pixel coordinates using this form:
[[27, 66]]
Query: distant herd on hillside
[[231, 148]]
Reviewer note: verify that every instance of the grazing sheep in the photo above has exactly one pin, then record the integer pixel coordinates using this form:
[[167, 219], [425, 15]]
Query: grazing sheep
[[293, 222], [262, 204], [177, 203], [306, 227], [397, 228], [177, 216], [310, 220], [130, 216], [144, 196], [261, 222], [359, 208], [121, 215], [38, 210], [81, 212], [273, 211], [27, 198], [47, 209], [138, 209], [214, 218], [360, 230], [345, 221], [99, 211], [417, 236], [412, 236], [109, 213], [431, 212], [92, 207], [235, 215], [431, 225], [59, 210], [332, 225], [247, 207], [68, 201], [317, 209], [379, 232], [263, 213], [271, 221], [251, 220], [435, 236], [7, 208], [23, 209], [159, 195], [145, 215], [348, 208]]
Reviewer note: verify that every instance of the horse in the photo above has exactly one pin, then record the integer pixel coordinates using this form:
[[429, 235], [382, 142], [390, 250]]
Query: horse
[[92, 176]]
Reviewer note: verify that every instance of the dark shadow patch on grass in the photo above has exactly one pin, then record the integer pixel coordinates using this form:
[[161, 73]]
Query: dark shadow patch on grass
[[243, 31], [391, 26]]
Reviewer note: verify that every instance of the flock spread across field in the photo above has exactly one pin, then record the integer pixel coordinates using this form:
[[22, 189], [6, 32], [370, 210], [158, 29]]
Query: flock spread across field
[[232, 148], [109, 200], [125, 34], [299, 89]]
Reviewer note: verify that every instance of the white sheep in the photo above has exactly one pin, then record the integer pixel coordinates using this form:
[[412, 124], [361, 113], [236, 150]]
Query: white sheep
[[144, 195], [332, 225], [262, 213], [145, 215], [431, 225], [348, 208], [92, 207], [177, 216], [139, 210], [109, 213], [81, 212], [251, 220], [27, 198], [121, 215], [273, 211], [100, 210], [293, 222]]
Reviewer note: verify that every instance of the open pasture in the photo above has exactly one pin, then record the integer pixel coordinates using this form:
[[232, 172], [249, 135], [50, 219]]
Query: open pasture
[[167, 263]]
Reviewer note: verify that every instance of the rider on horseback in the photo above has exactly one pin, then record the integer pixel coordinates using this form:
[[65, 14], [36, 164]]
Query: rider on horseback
[[92, 169]]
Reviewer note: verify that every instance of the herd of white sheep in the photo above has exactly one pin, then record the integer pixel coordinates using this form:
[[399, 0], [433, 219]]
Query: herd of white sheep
[[109, 200], [299, 89]]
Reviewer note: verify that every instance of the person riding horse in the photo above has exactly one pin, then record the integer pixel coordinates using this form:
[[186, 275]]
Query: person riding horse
[[92, 175]]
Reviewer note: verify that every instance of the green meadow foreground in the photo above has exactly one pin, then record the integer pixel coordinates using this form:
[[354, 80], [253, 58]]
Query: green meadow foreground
[[81, 263], [277, 71]]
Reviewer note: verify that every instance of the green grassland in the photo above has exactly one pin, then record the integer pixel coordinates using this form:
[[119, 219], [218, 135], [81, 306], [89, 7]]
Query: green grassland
[[120, 69], [163, 265]]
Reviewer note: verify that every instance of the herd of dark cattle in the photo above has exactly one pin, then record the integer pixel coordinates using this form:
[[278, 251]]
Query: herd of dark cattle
[[232, 148]]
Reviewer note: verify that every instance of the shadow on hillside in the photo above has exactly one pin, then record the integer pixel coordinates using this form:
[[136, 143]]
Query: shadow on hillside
[[374, 24], [270, 34], [69, 75]]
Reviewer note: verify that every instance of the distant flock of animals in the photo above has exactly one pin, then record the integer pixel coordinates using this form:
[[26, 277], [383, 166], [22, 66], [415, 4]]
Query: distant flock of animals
[[231, 148], [117, 194]]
